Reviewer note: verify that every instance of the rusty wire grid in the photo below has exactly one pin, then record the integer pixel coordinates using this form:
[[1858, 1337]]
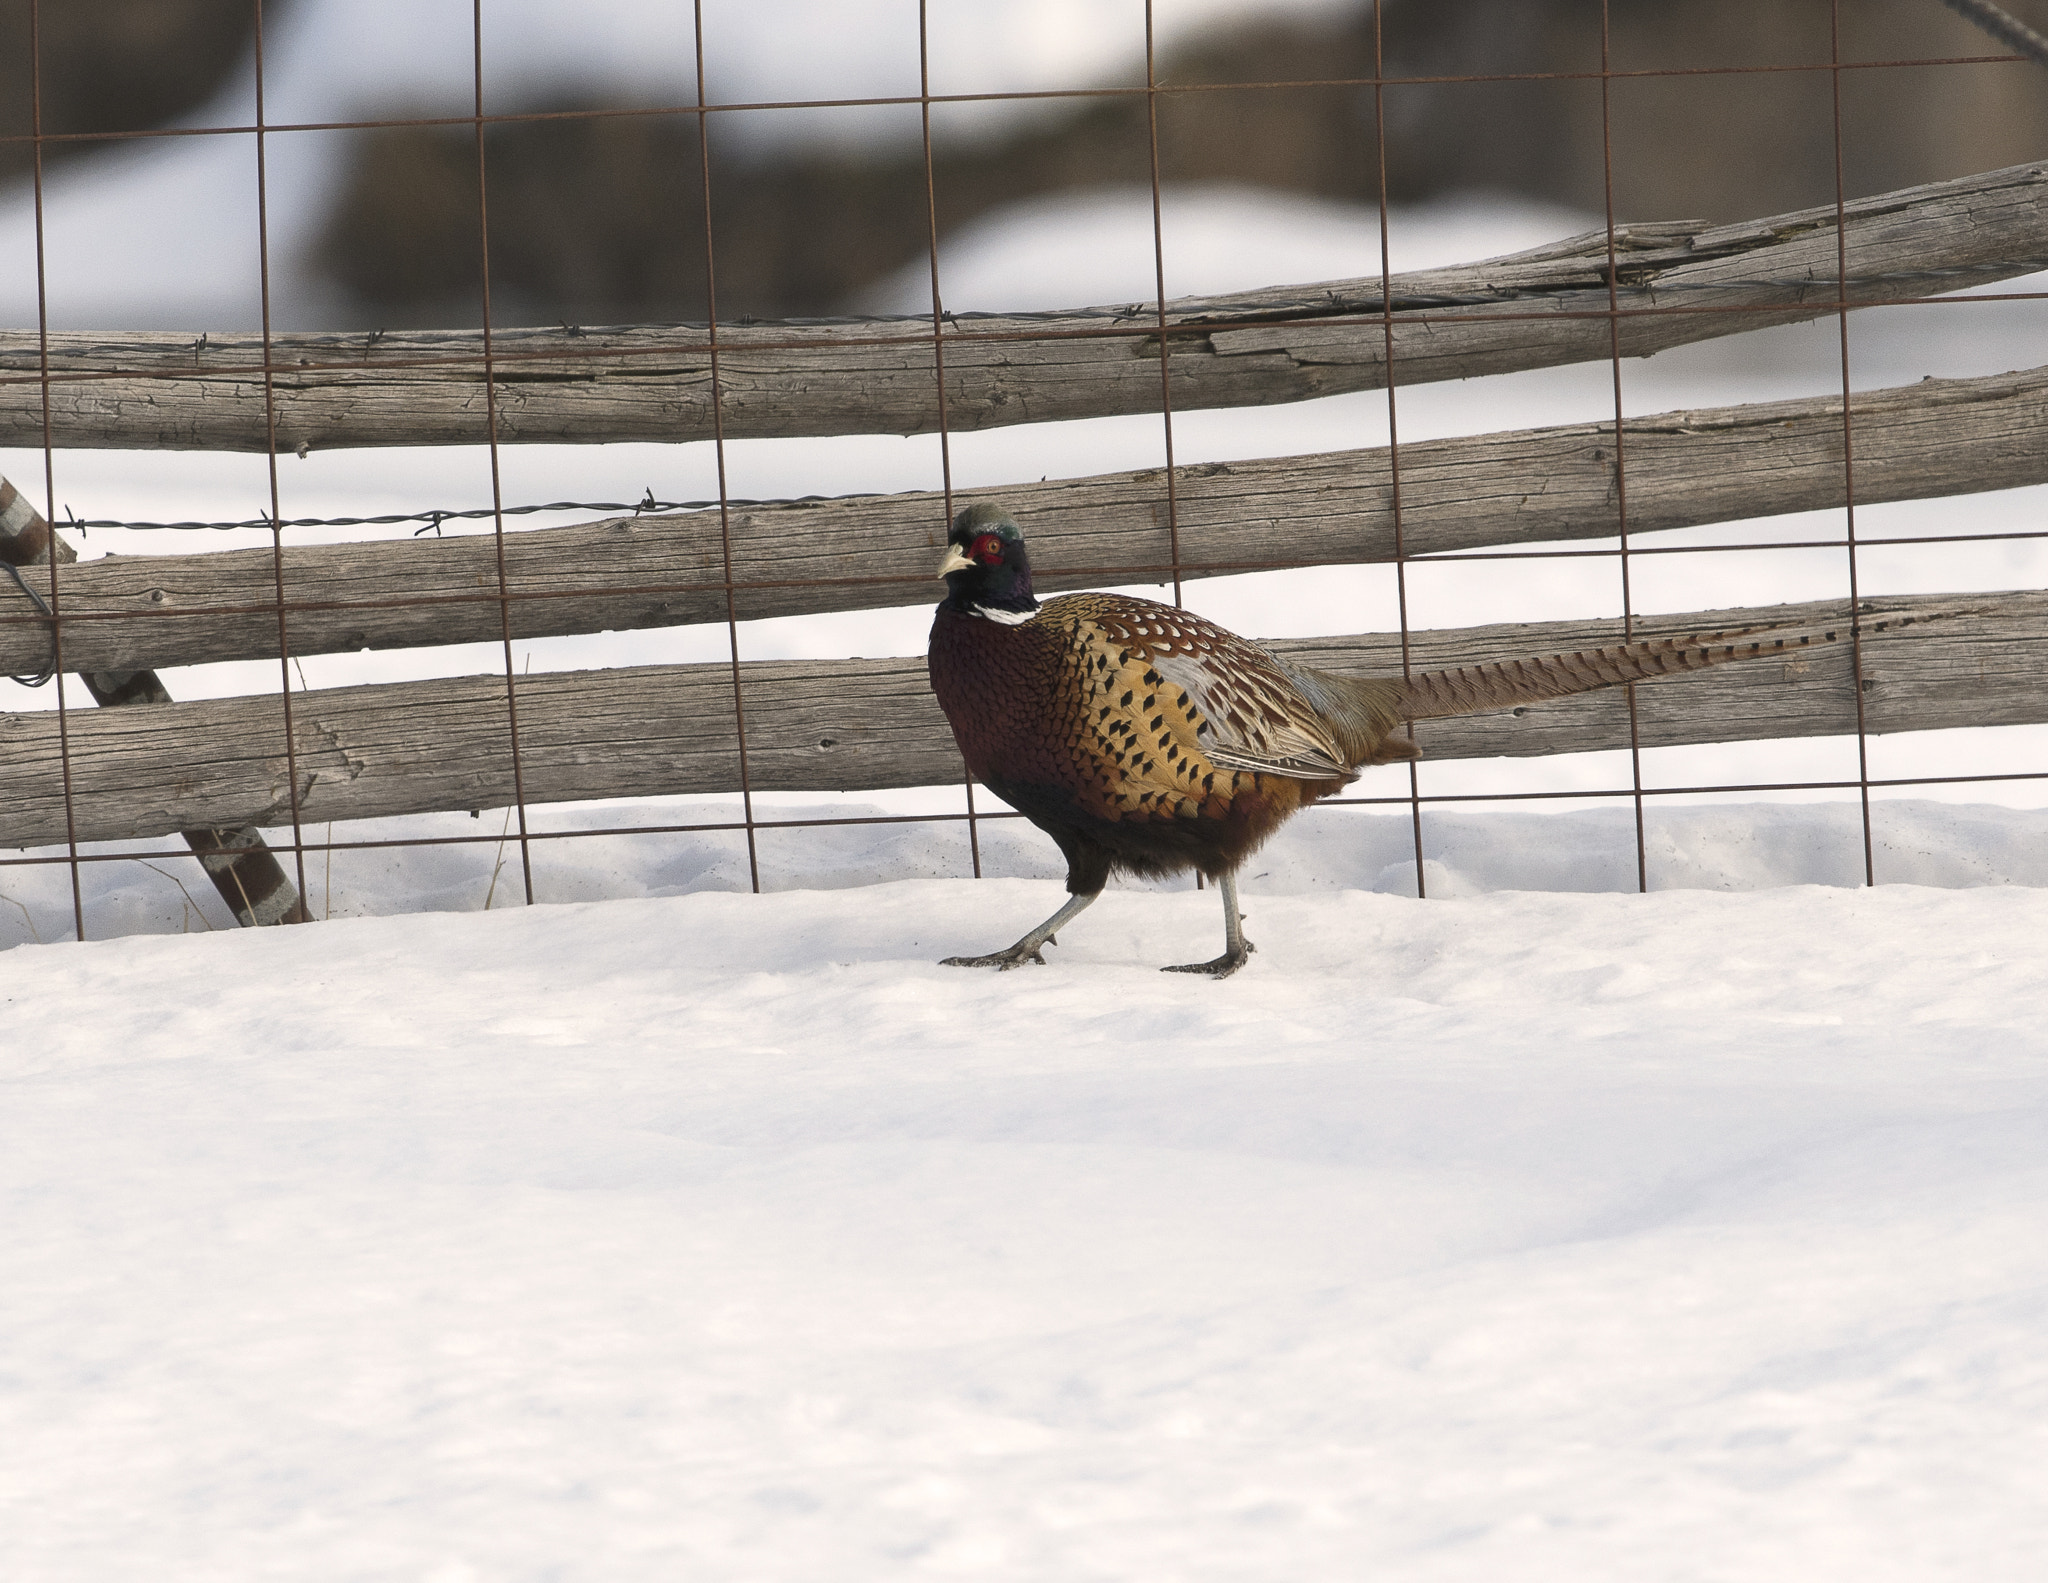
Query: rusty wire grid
[[943, 331]]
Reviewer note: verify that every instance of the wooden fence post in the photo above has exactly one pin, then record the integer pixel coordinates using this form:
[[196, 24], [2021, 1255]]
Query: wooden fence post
[[239, 862]]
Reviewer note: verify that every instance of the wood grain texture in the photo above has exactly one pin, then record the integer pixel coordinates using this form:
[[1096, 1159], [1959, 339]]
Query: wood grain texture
[[864, 724], [242, 867], [1676, 282], [1939, 437]]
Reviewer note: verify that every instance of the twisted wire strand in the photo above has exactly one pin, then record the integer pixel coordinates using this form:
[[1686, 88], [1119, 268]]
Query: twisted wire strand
[[50, 665]]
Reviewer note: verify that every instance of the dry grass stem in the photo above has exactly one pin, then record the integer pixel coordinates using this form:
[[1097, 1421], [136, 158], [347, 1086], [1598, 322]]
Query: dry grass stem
[[167, 874], [26, 917]]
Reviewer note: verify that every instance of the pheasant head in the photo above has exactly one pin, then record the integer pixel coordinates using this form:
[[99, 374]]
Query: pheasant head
[[987, 569]]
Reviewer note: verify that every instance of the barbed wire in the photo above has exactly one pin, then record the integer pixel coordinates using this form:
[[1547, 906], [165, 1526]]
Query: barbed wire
[[1331, 302], [432, 518]]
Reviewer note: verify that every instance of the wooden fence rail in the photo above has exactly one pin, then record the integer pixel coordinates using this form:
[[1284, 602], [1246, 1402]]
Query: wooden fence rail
[[1675, 283], [864, 724], [1940, 437], [242, 867]]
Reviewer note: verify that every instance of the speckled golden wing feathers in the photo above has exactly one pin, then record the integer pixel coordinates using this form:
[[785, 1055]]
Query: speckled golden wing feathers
[[1139, 730], [1185, 709]]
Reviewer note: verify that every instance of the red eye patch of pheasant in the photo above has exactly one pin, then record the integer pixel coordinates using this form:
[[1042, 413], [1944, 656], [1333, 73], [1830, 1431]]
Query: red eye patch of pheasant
[[988, 549]]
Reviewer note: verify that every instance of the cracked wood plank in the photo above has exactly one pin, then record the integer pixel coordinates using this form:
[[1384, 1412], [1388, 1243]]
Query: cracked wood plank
[[1939, 437], [856, 725], [1676, 282]]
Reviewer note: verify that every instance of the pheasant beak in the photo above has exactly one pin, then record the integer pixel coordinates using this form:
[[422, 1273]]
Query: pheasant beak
[[957, 560]]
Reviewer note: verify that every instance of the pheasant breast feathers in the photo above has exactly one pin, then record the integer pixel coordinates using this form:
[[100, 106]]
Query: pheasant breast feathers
[[1142, 711]]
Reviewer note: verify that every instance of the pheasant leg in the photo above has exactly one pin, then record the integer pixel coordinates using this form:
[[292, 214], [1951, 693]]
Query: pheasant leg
[[1027, 949], [1236, 948]]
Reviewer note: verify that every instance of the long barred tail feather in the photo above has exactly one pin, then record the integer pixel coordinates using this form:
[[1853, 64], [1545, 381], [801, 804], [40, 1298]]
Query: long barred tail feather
[[1473, 689]]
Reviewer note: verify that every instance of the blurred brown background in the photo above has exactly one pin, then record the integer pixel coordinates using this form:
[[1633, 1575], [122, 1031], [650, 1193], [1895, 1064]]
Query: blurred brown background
[[112, 66], [597, 220]]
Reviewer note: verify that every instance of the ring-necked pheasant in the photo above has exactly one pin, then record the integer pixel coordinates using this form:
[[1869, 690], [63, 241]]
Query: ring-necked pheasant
[[1146, 740]]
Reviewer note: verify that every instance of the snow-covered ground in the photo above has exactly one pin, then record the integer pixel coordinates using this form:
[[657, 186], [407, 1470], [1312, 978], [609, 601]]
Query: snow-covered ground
[[1706, 844], [666, 1230], [1684, 1237]]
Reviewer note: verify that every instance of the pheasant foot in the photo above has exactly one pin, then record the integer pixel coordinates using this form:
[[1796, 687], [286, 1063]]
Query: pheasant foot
[[1028, 948], [1236, 948], [1222, 967], [1016, 956]]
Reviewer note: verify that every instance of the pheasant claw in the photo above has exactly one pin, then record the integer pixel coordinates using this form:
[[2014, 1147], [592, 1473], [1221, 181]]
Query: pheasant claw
[[1029, 948], [1236, 948], [1002, 961], [1222, 967]]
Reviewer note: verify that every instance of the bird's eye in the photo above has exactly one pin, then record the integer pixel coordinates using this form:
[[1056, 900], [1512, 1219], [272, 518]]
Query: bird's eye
[[988, 549]]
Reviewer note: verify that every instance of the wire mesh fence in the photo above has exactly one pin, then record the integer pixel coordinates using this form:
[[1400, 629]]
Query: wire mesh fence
[[1155, 439]]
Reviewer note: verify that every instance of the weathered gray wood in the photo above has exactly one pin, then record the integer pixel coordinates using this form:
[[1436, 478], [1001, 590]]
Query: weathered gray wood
[[1289, 343], [238, 861], [1940, 437], [864, 724]]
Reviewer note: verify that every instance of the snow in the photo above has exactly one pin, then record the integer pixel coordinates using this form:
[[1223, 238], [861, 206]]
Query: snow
[[1536, 1230], [665, 847], [1688, 1236]]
